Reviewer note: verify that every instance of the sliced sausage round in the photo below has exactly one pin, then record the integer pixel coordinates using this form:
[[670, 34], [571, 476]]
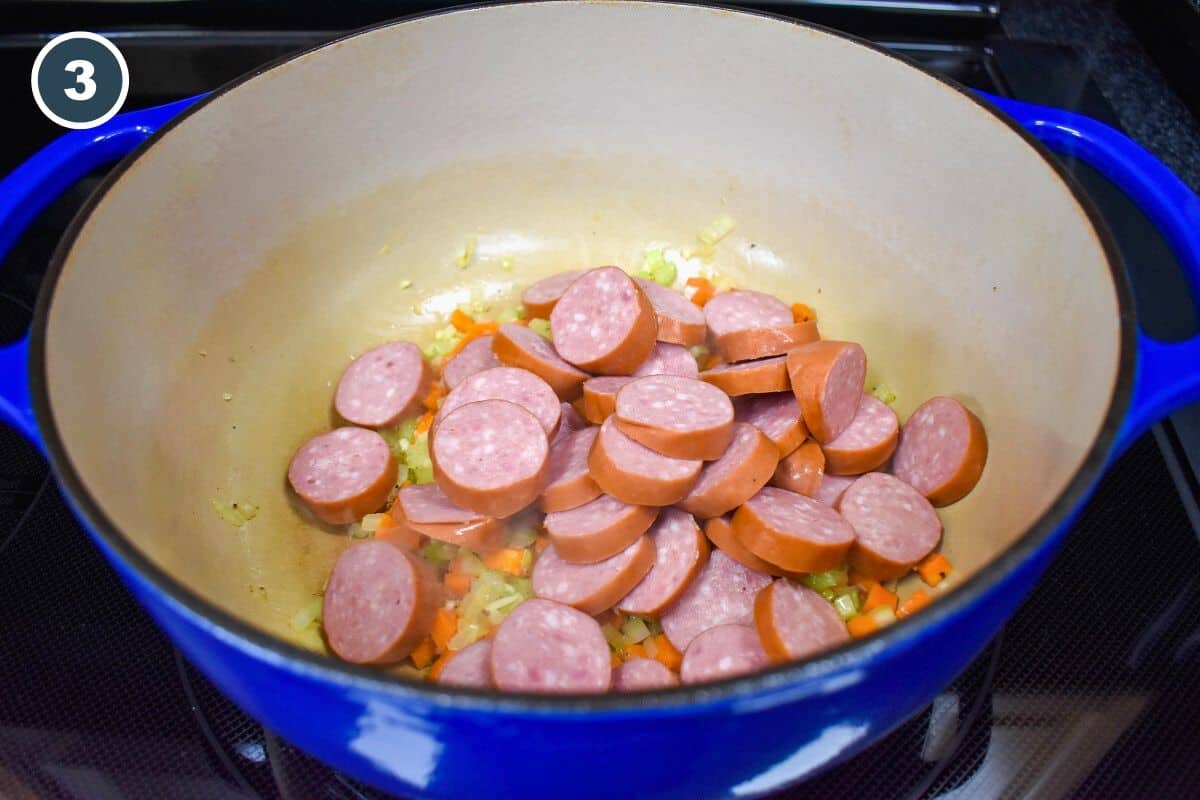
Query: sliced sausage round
[[719, 531], [379, 603], [668, 359], [570, 483], [505, 383], [678, 417], [679, 320], [491, 457], [741, 310], [570, 421], [776, 415], [400, 534], [641, 675], [597, 530], [942, 450], [680, 551], [831, 489], [427, 510], [547, 647], [343, 474], [636, 474], [725, 651], [541, 296], [801, 470], [476, 356], [603, 323], [596, 587], [600, 397], [867, 443], [518, 346], [383, 386], [895, 525], [470, 667], [722, 593], [792, 531], [795, 622], [827, 379], [765, 342], [744, 468], [749, 377]]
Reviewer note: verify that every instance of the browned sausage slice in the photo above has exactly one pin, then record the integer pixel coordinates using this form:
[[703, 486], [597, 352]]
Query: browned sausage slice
[[570, 422], [642, 674], [776, 415], [540, 297], [506, 383], [603, 323], [740, 310], [636, 474], [547, 647], [668, 359], [720, 532], [765, 342], [867, 443], [596, 587], [597, 530], [680, 551], [570, 483], [518, 346], [722, 593], [831, 489], [793, 531], [343, 474], [600, 397], [491, 457], [426, 510], [379, 603], [942, 451], [736, 476], [678, 417], [795, 622], [827, 378], [895, 525], [679, 320], [476, 356], [749, 377], [722, 652], [383, 386], [470, 667], [802, 470]]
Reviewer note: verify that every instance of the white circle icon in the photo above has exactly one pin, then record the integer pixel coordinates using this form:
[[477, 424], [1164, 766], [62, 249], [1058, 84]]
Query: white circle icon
[[79, 80]]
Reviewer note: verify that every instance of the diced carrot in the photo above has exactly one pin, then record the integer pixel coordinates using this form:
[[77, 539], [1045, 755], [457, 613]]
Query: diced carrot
[[509, 559], [440, 664], [634, 651], [703, 290], [615, 660], [484, 328], [424, 423], [915, 602], [666, 653], [878, 596], [461, 320], [711, 360], [434, 398], [802, 313], [390, 530], [423, 655], [445, 625], [862, 625], [457, 584], [934, 569]]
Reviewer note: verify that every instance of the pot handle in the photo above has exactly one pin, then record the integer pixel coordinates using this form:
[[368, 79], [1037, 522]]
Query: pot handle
[[1167, 375], [34, 185]]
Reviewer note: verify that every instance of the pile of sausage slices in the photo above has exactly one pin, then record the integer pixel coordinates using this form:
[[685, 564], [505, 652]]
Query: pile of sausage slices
[[698, 499]]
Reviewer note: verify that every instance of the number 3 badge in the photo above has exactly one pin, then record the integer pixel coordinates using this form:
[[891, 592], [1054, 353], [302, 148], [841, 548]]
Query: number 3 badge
[[80, 80]]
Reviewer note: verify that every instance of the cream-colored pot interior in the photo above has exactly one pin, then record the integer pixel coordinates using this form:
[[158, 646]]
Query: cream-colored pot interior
[[217, 291]]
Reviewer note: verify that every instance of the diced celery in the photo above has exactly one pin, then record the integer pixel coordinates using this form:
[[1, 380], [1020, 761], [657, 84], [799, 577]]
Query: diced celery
[[526, 561], [635, 630], [416, 458], [307, 616], [615, 640], [467, 254], [469, 563], [826, 580], [883, 615], [884, 394], [716, 230], [508, 315], [399, 438], [497, 610], [847, 605], [521, 537], [370, 523], [541, 327], [356, 531], [444, 340], [467, 633], [235, 513], [700, 353], [522, 586], [656, 268], [654, 625], [438, 553]]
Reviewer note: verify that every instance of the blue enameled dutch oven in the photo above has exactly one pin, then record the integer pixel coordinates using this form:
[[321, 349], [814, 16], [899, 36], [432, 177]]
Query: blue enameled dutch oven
[[200, 307]]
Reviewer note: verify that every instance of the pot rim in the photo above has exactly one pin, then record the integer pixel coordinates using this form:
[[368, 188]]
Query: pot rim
[[768, 687]]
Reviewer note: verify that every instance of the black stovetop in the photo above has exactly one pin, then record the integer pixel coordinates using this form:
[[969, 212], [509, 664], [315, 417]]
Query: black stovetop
[[1091, 691]]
